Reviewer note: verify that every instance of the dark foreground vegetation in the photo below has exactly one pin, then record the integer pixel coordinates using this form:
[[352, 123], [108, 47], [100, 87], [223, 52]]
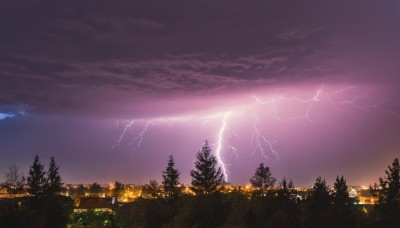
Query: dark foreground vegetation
[[207, 204]]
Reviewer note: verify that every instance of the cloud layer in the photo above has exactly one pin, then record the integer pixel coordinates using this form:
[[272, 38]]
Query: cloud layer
[[69, 57]]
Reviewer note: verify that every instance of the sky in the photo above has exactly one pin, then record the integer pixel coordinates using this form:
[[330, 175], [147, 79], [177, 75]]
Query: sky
[[112, 88]]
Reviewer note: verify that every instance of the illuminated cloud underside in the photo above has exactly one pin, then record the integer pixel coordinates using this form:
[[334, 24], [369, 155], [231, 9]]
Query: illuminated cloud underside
[[342, 100]]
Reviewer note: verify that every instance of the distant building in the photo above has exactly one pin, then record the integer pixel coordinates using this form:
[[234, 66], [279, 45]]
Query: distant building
[[95, 203], [365, 197]]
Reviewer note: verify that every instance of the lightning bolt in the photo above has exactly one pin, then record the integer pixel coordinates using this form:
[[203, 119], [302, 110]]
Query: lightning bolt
[[219, 144], [258, 139], [259, 142]]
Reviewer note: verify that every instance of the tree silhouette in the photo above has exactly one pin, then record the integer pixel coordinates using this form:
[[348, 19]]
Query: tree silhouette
[[118, 188], [286, 191], [319, 204], [341, 194], [80, 192], [95, 189], [262, 180], [13, 178], [171, 180], [54, 183], [343, 209], [388, 206], [36, 178], [206, 178], [151, 190]]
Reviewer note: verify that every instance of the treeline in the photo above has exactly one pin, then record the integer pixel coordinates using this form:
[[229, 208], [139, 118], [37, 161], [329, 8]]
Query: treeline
[[208, 202], [44, 206], [266, 204]]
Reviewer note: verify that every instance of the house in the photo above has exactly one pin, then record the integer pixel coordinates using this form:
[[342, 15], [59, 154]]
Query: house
[[95, 203]]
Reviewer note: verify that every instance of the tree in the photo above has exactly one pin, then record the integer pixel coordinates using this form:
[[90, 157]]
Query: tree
[[388, 206], [36, 178], [118, 188], [54, 183], [14, 179], [262, 180], [341, 194], [95, 188], [80, 191], [151, 190], [171, 180], [286, 191], [390, 185], [206, 178], [284, 213], [343, 208], [319, 204]]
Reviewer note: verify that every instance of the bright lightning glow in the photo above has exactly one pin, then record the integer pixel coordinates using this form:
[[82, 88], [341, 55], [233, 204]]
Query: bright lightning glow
[[259, 142], [219, 144]]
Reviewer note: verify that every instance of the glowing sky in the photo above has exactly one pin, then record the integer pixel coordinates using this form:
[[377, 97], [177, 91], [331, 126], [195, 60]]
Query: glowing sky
[[111, 88]]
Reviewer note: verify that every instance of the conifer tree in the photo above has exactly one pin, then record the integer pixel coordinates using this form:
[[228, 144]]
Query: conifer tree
[[344, 213], [171, 179], [36, 178], [319, 205], [341, 195], [388, 193], [206, 178], [390, 186], [54, 183], [262, 180]]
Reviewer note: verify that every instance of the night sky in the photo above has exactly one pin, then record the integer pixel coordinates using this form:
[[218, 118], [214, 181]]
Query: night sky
[[310, 88]]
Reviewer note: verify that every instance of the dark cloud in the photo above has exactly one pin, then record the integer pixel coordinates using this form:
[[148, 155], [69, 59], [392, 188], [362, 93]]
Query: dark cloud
[[58, 56], [66, 66]]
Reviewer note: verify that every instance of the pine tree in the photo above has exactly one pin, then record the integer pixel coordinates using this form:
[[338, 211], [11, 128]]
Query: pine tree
[[54, 183], [341, 195], [388, 206], [36, 178], [319, 205], [262, 180], [171, 179], [390, 193], [344, 213], [206, 178]]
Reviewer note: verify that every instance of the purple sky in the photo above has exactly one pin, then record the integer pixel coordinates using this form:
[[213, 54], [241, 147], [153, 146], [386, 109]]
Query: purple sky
[[310, 88]]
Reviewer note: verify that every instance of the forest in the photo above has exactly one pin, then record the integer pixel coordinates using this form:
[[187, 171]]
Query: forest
[[207, 202]]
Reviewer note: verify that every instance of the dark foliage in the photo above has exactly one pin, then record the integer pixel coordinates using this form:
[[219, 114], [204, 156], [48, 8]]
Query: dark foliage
[[91, 218], [387, 210], [47, 211], [206, 178], [143, 213], [319, 205], [151, 190], [37, 178], [262, 180], [171, 180], [117, 190], [95, 189], [54, 183]]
